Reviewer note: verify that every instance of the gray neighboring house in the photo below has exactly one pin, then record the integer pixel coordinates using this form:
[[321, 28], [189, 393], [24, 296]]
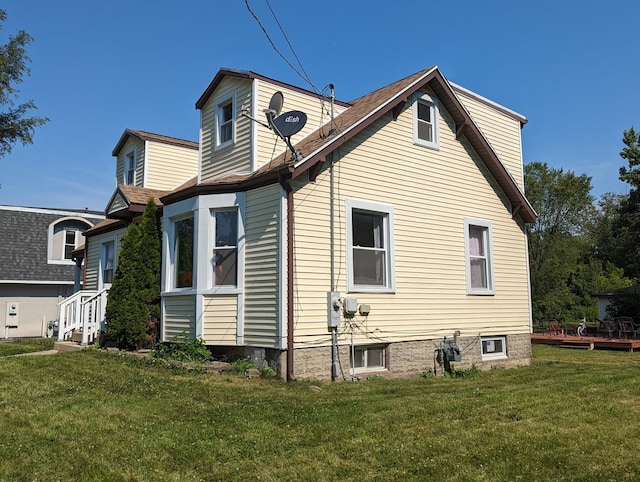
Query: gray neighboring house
[[39, 248]]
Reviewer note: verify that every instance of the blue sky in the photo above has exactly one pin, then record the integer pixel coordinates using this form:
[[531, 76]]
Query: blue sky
[[571, 67]]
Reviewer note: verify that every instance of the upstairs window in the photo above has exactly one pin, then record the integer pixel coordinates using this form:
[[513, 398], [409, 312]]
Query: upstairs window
[[370, 247], [130, 168], [225, 115], [478, 257], [425, 121], [225, 249], [65, 236]]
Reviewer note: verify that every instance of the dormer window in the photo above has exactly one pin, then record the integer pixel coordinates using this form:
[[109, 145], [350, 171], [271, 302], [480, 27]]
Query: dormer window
[[225, 118], [65, 236], [130, 168], [425, 121]]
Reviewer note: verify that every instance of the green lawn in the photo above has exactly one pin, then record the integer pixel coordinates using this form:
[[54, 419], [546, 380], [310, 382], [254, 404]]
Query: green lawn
[[572, 415]]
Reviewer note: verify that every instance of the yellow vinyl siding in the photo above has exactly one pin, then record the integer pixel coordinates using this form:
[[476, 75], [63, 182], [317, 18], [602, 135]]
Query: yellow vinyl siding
[[431, 191], [262, 261], [138, 145], [94, 253], [169, 166], [179, 317], [501, 130], [220, 319], [236, 157], [269, 145]]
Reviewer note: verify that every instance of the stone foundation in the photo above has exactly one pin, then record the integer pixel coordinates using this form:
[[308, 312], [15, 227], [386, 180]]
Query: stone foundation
[[411, 358], [403, 359]]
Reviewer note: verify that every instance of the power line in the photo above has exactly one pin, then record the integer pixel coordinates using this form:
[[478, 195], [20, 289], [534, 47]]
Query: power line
[[304, 76]]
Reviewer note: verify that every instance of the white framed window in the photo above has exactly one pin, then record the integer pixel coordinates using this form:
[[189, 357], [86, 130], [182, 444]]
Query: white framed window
[[494, 347], [425, 121], [107, 262], [183, 242], [370, 248], [479, 265], [368, 358], [225, 247], [65, 235], [130, 168], [225, 121]]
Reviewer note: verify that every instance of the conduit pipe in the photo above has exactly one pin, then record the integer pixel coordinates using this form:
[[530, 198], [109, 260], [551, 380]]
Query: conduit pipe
[[289, 190]]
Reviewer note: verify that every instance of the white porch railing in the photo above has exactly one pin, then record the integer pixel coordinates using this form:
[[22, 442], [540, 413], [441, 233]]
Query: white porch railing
[[83, 312]]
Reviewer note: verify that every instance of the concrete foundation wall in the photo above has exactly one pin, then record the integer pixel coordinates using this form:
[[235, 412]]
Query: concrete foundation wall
[[36, 306]]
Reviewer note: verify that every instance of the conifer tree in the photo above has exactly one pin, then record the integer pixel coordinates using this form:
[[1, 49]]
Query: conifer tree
[[124, 314], [133, 307]]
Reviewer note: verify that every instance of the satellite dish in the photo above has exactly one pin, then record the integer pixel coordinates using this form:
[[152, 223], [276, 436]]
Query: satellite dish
[[289, 123], [275, 104]]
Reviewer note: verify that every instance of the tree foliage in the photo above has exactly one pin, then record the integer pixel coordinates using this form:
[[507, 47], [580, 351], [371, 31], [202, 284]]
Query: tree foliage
[[623, 247], [133, 306], [15, 123], [556, 245]]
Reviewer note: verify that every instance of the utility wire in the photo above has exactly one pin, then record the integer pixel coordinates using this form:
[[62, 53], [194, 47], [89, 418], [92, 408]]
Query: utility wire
[[306, 76], [273, 45]]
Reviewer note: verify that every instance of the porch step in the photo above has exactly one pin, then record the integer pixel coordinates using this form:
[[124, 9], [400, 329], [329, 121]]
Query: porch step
[[66, 346], [76, 336]]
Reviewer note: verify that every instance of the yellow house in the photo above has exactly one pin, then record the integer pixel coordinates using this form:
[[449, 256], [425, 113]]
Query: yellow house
[[381, 236]]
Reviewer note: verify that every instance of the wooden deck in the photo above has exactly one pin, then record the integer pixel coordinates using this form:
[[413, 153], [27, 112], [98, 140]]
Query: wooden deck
[[586, 342]]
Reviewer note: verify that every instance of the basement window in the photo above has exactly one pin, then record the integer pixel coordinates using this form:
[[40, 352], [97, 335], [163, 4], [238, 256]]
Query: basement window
[[494, 347], [368, 358]]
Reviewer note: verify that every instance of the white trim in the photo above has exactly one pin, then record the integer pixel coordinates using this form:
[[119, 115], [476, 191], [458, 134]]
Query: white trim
[[57, 212], [103, 241], [387, 211], [399, 95], [252, 127], [490, 290], [432, 103], [282, 268], [125, 169], [200, 151], [50, 236], [145, 164], [367, 369], [216, 106], [501, 355], [484, 100], [201, 209], [34, 282]]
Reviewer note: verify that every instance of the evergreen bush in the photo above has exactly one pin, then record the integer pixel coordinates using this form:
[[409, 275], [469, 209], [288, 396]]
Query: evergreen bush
[[133, 306]]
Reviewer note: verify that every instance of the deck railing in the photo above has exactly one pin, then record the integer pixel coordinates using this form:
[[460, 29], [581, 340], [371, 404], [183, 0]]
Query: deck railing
[[83, 312]]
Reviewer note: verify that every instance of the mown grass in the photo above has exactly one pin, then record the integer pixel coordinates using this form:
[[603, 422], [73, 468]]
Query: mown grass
[[26, 345], [88, 415]]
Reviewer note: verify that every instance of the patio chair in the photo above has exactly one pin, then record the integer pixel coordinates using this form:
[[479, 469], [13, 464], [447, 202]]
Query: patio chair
[[626, 328], [607, 328]]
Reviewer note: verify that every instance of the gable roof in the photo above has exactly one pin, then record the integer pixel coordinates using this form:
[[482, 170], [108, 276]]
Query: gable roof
[[149, 136], [129, 201], [363, 112]]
